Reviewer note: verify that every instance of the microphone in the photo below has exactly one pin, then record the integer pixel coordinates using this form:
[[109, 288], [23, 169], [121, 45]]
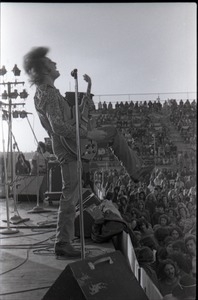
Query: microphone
[[74, 73]]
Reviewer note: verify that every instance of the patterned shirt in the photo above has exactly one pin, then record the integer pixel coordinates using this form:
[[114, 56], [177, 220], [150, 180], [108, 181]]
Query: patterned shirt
[[55, 115]]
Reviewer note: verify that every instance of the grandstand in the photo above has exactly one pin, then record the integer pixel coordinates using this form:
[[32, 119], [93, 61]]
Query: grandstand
[[159, 131]]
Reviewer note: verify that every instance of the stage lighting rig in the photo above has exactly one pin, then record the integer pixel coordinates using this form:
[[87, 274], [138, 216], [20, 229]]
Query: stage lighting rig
[[11, 94]]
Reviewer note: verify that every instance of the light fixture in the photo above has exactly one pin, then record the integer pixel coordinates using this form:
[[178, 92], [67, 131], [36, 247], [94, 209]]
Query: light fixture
[[4, 95], [16, 71], [14, 94], [24, 94], [23, 114], [15, 114], [5, 115], [3, 71]]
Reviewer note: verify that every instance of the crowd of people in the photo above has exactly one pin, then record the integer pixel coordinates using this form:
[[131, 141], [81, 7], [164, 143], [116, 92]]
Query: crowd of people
[[144, 125], [161, 212], [183, 116], [161, 209]]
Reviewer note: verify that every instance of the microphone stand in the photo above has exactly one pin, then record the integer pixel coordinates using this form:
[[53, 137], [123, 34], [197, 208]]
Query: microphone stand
[[79, 165], [16, 218]]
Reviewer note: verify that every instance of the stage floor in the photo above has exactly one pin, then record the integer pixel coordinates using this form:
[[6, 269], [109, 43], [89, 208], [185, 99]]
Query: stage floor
[[28, 265]]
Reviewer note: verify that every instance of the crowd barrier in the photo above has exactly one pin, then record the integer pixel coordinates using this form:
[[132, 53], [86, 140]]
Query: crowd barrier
[[125, 245]]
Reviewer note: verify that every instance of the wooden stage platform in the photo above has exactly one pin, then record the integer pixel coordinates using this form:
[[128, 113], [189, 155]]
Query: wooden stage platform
[[28, 265]]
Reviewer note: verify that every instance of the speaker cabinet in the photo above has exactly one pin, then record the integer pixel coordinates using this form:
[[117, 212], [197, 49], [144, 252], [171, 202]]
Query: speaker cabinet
[[105, 277], [90, 214]]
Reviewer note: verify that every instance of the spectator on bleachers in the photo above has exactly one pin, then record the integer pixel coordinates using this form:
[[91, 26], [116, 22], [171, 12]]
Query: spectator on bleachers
[[184, 219], [182, 262], [179, 183], [159, 210], [145, 259], [185, 290], [160, 235], [144, 227], [159, 179], [151, 200], [172, 214], [163, 221], [176, 233], [100, 106], [190, 243], [191, 208], [168, 277], [179, 246], [144, 212], [110, 107], [164, 252]]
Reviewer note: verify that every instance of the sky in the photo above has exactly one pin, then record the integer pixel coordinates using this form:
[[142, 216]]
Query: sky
[[137, 50]]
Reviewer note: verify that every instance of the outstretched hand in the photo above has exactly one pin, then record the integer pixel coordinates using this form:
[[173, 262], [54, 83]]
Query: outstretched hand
[[87, 78]]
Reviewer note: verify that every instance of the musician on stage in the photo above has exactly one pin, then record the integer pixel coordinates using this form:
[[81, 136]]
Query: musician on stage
[[22, 166], [39, 167], [55, 116]]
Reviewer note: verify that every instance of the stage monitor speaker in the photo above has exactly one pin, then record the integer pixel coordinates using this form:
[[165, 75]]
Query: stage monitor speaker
[[105, 277], [90, 214]]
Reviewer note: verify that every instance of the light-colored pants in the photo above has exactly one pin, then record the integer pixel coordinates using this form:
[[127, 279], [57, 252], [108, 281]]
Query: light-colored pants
[[68, 201]]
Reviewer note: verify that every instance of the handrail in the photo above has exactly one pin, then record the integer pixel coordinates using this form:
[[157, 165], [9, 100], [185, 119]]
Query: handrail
[[144, 280]]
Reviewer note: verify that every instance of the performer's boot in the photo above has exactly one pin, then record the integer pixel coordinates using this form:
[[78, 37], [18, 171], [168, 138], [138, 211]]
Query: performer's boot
[[65, 230], [66, 249]]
